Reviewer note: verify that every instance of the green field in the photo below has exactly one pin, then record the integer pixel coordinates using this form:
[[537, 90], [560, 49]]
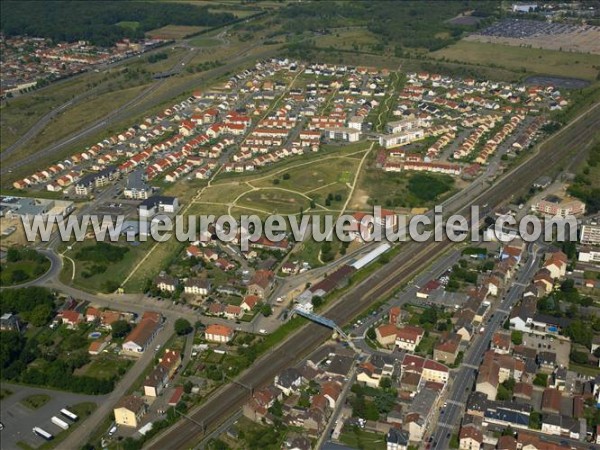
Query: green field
[[526, 60], [114, 273], [129, 24], [106, 366], [22, 272], [203, 41], [363, 439]]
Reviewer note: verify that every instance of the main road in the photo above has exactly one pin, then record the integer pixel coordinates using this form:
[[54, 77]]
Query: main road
[[549, 156]]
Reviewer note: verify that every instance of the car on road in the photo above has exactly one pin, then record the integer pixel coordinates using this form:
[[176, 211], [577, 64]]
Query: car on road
[[262, 331]]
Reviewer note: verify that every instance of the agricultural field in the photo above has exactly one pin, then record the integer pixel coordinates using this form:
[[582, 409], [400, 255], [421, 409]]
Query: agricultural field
[[524, 59]]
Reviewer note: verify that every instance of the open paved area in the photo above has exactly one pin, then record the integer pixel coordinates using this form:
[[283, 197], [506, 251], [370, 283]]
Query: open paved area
[[18, 420]]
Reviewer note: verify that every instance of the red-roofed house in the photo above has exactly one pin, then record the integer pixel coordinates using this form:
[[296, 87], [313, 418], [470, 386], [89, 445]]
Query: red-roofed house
[[386, 334], [249, 302], [218, 333], [408, 337], [70, 318]]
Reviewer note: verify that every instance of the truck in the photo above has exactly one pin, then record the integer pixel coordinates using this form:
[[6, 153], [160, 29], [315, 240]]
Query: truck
[[42, 433], [60, 423], [69, 415]]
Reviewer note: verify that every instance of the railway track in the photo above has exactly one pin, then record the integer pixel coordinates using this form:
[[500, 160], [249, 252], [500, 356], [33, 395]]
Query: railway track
[[401, 269]]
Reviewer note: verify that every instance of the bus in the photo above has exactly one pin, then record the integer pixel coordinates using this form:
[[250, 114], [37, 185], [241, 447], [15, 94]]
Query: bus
[[69, 415], [60, 423], [42, 433]]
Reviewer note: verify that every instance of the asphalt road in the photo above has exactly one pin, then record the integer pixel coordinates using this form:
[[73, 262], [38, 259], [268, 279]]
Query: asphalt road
[[383, 282]]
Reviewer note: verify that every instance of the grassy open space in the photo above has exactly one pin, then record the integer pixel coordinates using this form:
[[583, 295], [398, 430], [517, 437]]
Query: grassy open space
[[363, 439], [204, 41], [106, 365], [358, 39], [102, 275], [160, 258], [174, 32], [274, 201], [36, 401], [129, 24], [76, 118], [532, 60], [24, 266]]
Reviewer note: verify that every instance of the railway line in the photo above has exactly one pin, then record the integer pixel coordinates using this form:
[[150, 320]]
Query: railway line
[[415, 256]]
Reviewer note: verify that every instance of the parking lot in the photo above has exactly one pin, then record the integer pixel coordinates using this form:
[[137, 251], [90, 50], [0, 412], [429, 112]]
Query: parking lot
[[549, 35], [18, 420], [561, 347]]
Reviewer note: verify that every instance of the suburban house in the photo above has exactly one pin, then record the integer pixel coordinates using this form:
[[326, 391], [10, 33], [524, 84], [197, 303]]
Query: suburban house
[[446, 349], [386, 334], [260, 282], [408, 337], [196, 286], [218, 333], [170, 360], [129, 411], [155, 382], [397, 439], [166, 283], [289, 380], [470, 438], [70, 318], [249, 302], [139, 338]]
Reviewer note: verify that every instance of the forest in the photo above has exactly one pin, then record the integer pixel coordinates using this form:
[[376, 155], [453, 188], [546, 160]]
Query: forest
[[98, 21], [405, 24]]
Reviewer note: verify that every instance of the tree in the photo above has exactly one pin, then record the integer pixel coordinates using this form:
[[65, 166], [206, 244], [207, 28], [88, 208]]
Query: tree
[[266, 310], [40, 315], [579, 357], [317, 301], [182, 327], [535, 420], [541, 379], [120, 328], [516, 337]]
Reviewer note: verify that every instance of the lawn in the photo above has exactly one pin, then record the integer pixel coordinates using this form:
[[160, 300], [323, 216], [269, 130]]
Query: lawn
[[22, 271], [399, 190], [532, 60], [203, 41], [111, 277], [162, 255], [174, 31], [363, 439], [274, 201], [106, 366], [35, 401], [128, 24], [357, 39]]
